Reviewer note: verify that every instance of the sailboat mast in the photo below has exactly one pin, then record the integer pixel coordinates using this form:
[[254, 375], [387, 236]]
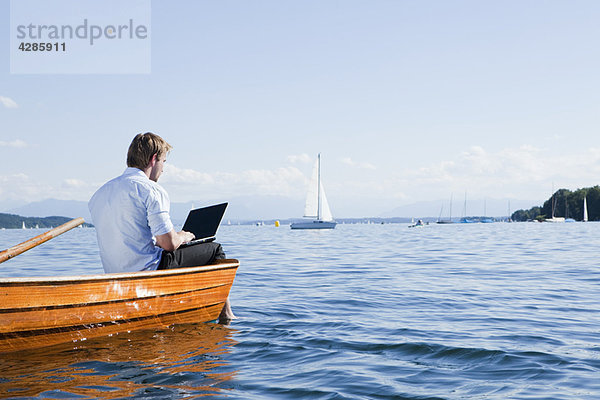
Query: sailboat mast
[[319, 187], [552, 199]]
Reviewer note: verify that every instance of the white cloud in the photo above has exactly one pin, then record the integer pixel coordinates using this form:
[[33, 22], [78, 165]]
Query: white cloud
[[524, 172], [182, 184], [299, 158], [520, 173], [74, 182], [352, 163], [187, 184], [13, 177], [21, 187], [25, 188], [8, 102], [173, 174], [14, 143]]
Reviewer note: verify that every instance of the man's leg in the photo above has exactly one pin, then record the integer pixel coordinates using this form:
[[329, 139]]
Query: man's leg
[[192, 256]]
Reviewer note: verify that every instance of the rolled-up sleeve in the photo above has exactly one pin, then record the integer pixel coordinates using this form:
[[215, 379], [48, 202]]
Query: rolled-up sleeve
[[158, 206]]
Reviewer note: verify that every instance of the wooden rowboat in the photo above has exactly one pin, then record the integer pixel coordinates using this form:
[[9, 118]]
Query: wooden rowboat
[[37, 312]]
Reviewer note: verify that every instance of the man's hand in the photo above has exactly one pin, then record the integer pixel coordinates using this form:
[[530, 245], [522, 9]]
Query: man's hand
[[172, 240]]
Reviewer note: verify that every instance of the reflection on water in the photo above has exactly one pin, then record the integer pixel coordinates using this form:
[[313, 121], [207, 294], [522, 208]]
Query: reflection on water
[[185, 360]]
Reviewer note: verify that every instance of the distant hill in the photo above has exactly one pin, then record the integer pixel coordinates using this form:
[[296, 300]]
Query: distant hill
[[12, 221]]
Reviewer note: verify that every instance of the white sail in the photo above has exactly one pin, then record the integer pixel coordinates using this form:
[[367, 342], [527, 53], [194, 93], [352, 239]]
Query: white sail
[[316, 207], [311, 208], [325, 211], [585, 212]]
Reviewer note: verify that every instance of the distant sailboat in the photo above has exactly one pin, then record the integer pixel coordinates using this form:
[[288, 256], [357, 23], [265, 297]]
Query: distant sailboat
[[585, 211], [23, 227], [449, 220], [554, 219], [317, 207], [485, 219], [567, 219], [464, 219]]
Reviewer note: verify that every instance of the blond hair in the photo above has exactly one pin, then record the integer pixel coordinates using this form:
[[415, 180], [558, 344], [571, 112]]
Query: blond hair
[[143, 147]]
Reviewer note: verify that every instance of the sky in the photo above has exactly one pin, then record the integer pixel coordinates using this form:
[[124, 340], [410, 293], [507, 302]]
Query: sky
[[407, 101]]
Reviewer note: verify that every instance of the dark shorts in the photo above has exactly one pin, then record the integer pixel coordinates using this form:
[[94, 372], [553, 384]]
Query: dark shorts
[[191, 256]]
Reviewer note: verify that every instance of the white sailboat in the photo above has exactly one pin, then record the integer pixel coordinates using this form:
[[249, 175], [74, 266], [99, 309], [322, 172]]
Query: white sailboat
[[554, 219], [446, 221], [316, 207], [585, 212]]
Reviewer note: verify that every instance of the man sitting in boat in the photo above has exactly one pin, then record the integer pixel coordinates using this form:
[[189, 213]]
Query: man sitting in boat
[[133, 225]]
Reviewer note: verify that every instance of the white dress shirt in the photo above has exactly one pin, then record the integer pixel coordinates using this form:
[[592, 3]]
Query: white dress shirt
[[128, 212]]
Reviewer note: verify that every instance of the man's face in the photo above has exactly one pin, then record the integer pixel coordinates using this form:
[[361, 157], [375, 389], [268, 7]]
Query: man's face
[[157, 168]]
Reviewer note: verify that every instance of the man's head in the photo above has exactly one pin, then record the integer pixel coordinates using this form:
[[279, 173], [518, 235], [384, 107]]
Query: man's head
[[148, 152]]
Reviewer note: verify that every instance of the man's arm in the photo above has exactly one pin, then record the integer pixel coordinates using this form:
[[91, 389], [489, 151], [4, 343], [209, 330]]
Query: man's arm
[[172, 240]]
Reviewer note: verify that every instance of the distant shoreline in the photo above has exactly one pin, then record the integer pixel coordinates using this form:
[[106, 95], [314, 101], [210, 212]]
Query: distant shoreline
[[13, 221]]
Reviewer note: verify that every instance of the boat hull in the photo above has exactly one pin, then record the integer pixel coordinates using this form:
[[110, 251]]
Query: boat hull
[[37, 312], [314, 225]]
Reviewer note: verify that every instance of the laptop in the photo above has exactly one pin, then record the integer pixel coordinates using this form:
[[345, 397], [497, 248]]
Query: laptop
[[203, 223]]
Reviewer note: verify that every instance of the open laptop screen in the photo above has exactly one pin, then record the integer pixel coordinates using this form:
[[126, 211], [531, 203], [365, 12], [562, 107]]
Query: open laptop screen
[[204, 222]]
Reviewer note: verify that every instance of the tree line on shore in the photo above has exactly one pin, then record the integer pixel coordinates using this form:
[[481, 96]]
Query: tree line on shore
[[566, 204], [12, 221]]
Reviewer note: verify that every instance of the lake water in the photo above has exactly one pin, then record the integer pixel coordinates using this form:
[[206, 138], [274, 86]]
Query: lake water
[[465, 311]]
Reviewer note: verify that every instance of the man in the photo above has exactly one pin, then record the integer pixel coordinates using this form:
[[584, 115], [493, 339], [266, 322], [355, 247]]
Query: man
[[131, 216]]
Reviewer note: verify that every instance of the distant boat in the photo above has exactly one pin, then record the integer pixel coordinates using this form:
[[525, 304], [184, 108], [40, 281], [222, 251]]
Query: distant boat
[[585, 210], [465, 219], [23, 227], [418, 224], [446, 221], [317, 207], [567, 219], [485, 219], [554, 219]]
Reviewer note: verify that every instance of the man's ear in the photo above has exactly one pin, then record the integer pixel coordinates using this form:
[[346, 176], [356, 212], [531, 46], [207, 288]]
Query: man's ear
[[153, 160]]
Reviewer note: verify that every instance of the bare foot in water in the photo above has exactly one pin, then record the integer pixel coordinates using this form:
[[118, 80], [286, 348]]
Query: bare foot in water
[[226, 314]]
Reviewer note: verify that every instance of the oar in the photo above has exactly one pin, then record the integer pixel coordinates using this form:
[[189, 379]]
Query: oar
[[44, 237]]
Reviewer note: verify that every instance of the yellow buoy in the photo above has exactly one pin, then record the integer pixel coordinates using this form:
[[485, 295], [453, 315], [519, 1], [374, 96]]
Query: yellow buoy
[[276, 223]]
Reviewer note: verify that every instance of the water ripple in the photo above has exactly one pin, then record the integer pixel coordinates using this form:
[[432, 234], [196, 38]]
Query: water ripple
[[474, 311]]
